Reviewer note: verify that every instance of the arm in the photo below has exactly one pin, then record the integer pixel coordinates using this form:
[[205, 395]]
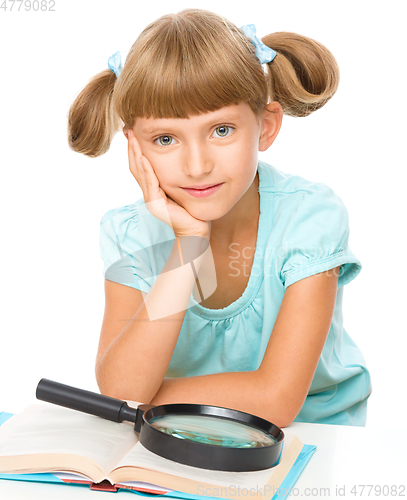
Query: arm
[[277, 390], [138, 337]]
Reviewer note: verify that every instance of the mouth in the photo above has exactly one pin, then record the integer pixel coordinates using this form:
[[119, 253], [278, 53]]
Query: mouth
[[203, 190]]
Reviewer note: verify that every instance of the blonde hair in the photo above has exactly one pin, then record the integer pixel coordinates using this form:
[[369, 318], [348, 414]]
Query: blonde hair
[[193, 62]]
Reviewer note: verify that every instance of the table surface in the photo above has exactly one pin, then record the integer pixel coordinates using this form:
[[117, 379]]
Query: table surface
[[349, 462]]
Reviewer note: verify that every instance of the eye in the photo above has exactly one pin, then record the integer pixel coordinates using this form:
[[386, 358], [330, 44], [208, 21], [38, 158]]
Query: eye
[[164, 140], [223, 131]]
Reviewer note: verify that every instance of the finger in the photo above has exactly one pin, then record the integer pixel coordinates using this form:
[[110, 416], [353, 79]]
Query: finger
[[135, 165], [147, 177], [135, 145], [154, 190], [132, 160], [142, 170]]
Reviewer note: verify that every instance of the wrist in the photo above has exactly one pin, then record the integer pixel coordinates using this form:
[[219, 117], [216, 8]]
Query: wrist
[[191, 247], [196, 234], [204, 231]]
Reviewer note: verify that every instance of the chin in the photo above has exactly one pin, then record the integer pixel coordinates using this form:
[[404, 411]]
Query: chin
[[206, 213]]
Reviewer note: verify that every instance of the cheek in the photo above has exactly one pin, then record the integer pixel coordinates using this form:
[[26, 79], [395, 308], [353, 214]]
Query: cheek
[[240, 157], [162, 169], [249, 146], [247, 156]]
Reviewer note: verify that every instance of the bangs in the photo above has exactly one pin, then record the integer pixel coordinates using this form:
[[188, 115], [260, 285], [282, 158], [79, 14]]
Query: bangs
[[182, 66]]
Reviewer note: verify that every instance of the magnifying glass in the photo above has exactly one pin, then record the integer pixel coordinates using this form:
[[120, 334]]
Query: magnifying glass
[[209, 437]]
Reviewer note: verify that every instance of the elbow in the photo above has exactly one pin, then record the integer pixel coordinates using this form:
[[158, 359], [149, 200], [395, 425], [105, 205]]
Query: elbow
[[286, 410], [110, 388], [119, 387], [107, 386], [101, 379], [280, 405], [281, 415], [284, 421], [116, 391]]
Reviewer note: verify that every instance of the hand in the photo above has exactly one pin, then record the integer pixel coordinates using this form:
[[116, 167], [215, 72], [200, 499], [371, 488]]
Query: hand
[[182, 222]]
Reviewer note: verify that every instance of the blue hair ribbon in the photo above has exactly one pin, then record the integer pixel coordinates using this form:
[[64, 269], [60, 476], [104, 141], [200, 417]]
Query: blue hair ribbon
[[265, 54], [115, 64]]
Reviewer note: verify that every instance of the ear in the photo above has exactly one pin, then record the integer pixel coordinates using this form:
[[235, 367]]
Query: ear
[[270, 125], [126, 132]]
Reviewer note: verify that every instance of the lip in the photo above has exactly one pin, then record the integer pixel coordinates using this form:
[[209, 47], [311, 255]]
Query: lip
[[204, 191]]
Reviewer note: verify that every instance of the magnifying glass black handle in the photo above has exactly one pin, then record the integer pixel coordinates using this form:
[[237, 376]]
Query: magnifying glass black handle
[[90, 402]]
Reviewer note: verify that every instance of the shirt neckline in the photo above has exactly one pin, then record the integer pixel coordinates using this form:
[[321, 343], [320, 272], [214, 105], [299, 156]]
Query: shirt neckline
[[256, 278]]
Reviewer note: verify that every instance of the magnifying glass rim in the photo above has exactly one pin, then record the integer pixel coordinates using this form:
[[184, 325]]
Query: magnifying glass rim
[[257, 423], [206, 455]]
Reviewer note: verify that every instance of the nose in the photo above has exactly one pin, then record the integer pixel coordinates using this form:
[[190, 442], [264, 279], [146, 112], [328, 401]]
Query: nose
[[197, 161]]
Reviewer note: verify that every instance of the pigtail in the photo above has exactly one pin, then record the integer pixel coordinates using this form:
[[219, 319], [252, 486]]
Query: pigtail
[[303, 76], [92, 121]]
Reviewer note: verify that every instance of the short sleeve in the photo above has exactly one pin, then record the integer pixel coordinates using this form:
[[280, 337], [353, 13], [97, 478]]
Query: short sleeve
[[316, 237], [129, 255]]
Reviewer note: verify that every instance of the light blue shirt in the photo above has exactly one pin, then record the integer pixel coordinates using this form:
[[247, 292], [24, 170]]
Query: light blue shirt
[[303, 230]]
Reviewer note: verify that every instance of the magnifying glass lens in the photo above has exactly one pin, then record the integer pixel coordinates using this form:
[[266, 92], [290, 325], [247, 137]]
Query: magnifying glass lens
[[212, 430]]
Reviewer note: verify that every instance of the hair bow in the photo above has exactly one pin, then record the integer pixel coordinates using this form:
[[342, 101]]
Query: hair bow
[[115, 64], [264, 53]]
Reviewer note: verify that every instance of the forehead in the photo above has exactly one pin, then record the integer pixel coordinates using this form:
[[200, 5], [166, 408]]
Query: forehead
[[236, 113]]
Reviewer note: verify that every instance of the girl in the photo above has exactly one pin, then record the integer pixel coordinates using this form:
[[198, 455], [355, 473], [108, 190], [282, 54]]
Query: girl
[[224, 283]]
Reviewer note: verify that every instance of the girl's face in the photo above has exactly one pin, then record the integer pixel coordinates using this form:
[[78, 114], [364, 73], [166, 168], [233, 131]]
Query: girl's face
[[218, 147]]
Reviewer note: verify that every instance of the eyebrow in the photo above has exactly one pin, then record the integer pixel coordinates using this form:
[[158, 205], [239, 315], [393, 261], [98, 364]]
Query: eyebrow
[[227, 117], [151, 130]]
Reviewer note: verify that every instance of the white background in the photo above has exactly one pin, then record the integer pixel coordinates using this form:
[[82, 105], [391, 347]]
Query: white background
[[52, 199]]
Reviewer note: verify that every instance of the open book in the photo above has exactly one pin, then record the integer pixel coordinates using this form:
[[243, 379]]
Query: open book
[[47, 438]]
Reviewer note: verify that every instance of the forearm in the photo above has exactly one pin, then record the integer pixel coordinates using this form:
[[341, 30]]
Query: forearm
[[134, 364], [277, 390], [245, 391]]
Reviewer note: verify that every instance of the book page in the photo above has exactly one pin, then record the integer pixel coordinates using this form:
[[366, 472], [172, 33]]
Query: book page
[[139, 456], [47, 428]]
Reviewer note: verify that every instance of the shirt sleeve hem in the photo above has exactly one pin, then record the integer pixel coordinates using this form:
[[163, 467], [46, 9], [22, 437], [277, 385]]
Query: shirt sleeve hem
[[123, 279], [350, 267]]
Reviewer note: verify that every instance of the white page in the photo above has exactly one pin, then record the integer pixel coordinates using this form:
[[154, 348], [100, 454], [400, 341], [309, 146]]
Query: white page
[[46, 428], [147, 486], [141, 457]]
